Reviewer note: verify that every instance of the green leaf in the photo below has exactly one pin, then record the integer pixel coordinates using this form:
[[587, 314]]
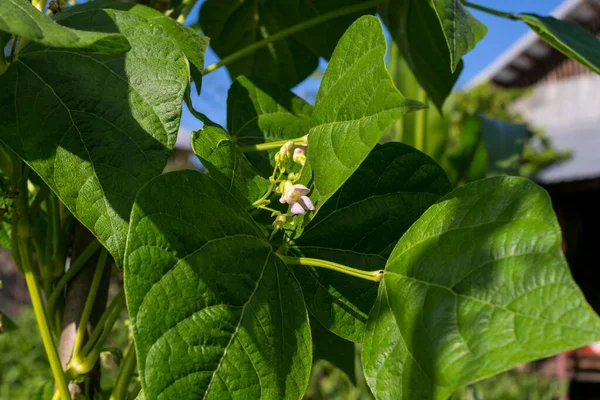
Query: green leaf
[[215, 313], [20, 18], [477, 285], [416, 29], [356, 104], [468, 160], [570, 39], [333, 349], [234, 25], [227, 164], [96, 128], [359, 227], [504, 142], [259, 112], [190, 42], [461, 29]]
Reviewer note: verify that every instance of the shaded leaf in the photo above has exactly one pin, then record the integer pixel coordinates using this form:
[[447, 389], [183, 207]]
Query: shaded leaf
[[210, 322], [356, 104], [189, 41], [570, 39], [227, 164], [259, 112], [96, 128], [233, 25], [359, 227], [416, 29], [461, 29], [476, 286], [20, 18], [504, 142]]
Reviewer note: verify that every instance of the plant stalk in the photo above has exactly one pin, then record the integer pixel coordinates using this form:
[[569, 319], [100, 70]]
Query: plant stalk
[[246, 51], [23, 248], [491, 11], [273, 145], [421, 122], [79, 263], [374, 276], [89, 303], [120, 390], [105, 324]]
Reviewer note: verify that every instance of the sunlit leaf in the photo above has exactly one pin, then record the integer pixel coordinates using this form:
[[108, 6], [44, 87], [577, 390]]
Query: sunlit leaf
[[478, 285], [95, 128], [215, 313], [20, 18]]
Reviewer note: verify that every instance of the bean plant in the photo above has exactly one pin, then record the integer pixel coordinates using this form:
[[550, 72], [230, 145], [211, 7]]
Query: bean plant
[[304, 238]]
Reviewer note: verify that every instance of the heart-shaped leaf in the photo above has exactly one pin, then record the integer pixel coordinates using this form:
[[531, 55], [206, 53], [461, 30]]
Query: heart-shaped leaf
[[416, 29], [259, 112], [189, 41], [356, 104], [95, 128], [461, 29], [359, 227], [476, 286], [235, 25], [215, 313], [227, 164], [568, 38], [20, 18]]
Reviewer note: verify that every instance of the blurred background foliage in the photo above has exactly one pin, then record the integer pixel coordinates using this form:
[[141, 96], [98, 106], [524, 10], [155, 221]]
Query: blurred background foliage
[[24, 370], [476, 134]]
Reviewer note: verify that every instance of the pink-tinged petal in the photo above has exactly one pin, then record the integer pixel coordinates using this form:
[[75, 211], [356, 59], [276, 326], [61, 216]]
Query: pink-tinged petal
[[308, 203], [301, 190], [297, 208], [300, 150], [282, 200]]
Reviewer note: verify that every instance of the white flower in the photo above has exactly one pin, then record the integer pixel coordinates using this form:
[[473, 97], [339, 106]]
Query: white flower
[[296, 197], [300, 154]]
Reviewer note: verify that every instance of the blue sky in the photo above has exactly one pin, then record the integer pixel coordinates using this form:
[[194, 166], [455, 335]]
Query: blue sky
[[502, 33]]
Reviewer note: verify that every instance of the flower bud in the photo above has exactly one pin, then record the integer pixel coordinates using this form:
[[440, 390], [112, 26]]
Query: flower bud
[[280, 222], [285, 152], [300, 154]]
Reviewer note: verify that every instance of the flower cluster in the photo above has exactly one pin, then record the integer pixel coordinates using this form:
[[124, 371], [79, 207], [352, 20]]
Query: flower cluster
[[292, 193]]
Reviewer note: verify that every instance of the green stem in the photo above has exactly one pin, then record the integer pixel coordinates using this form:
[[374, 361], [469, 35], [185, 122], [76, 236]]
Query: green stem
[[421, 121], [89, 303], [83, 363], [70, 274], [23, 248], [491, 11], [106, 323], [273, 145], [187, 7], [246, 51], [122, 384], [374, 276]]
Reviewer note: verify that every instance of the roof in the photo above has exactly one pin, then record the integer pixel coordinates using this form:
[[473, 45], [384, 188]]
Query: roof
[[572, 124], [530, 51]]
